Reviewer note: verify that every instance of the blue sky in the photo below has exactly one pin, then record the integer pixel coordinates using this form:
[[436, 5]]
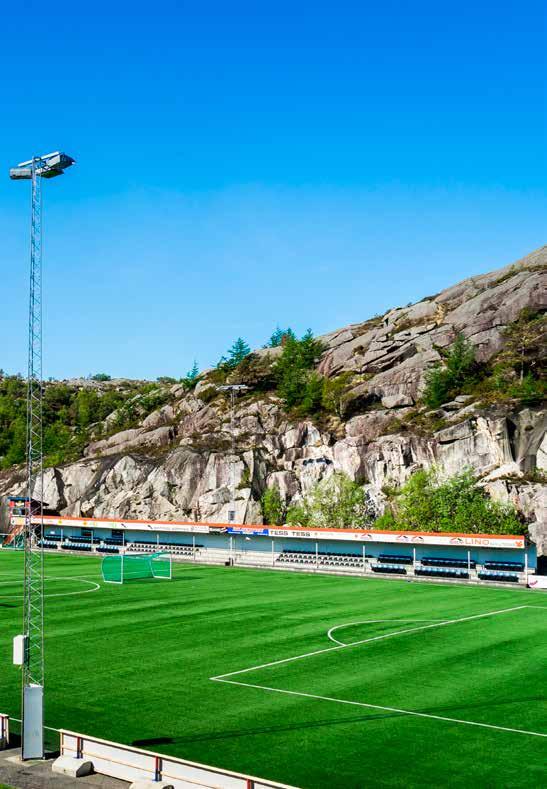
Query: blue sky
[[244, 164]]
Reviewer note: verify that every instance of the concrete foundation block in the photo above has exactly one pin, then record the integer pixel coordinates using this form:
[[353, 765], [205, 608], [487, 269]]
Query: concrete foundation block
[[151, 785], [69, 765]]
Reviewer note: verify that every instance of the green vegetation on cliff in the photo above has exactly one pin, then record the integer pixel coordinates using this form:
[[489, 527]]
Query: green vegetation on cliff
[[517, 372], [429, 502], [72, 416]]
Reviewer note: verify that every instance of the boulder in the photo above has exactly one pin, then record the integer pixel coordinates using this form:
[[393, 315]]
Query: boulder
[[397, 400]]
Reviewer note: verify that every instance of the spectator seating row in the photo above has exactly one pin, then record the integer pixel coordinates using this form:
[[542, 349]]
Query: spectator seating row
[[296, 557], [178, 548], [441, 561], [441, 572], [517, 567], [395, 558], [50, 544], [346, 560], [108, 549], [324, 558], [76, 546], [388, 568], [492, 575]]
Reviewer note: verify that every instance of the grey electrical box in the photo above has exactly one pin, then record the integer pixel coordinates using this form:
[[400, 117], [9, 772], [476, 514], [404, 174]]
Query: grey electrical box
[[231, 516], [33, 722]]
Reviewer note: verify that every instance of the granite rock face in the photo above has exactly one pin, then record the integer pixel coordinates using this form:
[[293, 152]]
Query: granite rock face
[[178, 463]]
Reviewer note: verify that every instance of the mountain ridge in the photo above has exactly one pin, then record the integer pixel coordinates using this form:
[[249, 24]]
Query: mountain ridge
[[175, 462]]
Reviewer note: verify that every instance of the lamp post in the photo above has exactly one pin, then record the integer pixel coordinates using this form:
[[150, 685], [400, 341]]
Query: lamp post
[[29, 648], [234, 390]]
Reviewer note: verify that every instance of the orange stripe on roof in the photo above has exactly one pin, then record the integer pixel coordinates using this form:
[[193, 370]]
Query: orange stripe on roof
[[285, 528]]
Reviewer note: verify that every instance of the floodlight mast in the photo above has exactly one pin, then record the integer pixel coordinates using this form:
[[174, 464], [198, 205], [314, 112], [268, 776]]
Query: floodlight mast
[[234, 390], [32, 727]]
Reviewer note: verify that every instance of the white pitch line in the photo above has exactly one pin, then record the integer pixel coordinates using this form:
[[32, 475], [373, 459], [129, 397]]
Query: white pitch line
[[373, 622], [385, 709], [95, 587], [367, 640]]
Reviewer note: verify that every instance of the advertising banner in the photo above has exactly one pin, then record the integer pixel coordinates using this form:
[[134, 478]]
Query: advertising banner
[[537, 582], [404, 538], [250, 531]]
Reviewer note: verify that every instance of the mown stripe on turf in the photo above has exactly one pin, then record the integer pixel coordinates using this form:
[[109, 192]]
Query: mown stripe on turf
[[379, 707]]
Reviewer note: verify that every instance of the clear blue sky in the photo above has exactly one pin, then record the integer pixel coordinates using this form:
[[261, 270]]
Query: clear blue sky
[[247, 164]]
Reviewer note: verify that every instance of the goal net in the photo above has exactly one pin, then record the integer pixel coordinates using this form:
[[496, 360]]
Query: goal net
[[13, 539], [126, 567]]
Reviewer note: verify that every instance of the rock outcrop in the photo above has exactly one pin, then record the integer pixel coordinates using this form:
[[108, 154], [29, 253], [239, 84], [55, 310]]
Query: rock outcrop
[[178, 462]]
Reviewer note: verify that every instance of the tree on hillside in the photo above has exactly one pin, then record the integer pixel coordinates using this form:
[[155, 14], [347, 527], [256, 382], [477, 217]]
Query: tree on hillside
[[298, 385], [239, 350], [192, 374], [273, 507], [429, 502], [191, 377], [446, 379], [525, 344], [279, 337], [336, 502]]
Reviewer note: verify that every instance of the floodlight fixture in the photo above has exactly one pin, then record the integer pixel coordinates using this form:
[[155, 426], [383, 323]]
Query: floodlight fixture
[[49, 165]]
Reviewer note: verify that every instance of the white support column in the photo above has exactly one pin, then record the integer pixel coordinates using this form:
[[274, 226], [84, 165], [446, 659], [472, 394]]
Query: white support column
[[158, 538], [526, 567], [316, 555], [273, 553], [364, 559], [414, 559], [194, 547], [469, 562], [231, 549]]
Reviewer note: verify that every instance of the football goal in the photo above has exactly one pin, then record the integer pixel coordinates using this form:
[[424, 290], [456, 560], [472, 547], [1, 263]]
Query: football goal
[[125, 567]]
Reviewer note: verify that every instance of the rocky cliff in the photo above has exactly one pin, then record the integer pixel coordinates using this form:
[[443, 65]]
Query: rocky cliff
[[176, 463]]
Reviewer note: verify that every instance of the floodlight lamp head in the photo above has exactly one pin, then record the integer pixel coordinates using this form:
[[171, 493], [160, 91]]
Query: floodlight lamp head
[[49, 165]]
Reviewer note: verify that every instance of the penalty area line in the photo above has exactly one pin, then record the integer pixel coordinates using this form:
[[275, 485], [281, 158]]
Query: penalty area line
[[396, 710], [367, 641]]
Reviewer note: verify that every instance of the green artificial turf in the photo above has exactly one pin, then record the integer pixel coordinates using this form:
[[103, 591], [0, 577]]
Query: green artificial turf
[[134, 663]]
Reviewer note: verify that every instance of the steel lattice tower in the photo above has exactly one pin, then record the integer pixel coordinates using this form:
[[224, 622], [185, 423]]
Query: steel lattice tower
[[33, 669], [37, 168]]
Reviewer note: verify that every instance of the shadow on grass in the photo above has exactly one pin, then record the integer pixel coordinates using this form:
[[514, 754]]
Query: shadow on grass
[[152, 741], [361, 718]]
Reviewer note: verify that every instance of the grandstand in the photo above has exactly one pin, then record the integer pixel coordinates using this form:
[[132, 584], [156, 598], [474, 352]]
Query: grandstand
[[466, 558]]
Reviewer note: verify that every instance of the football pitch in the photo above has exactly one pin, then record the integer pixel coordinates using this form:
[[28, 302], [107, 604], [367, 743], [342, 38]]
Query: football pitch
[[311, 680]]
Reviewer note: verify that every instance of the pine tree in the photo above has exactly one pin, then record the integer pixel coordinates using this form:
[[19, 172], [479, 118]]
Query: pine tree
[[445, 380], [192, 374], [239, 350], [280, 337]]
